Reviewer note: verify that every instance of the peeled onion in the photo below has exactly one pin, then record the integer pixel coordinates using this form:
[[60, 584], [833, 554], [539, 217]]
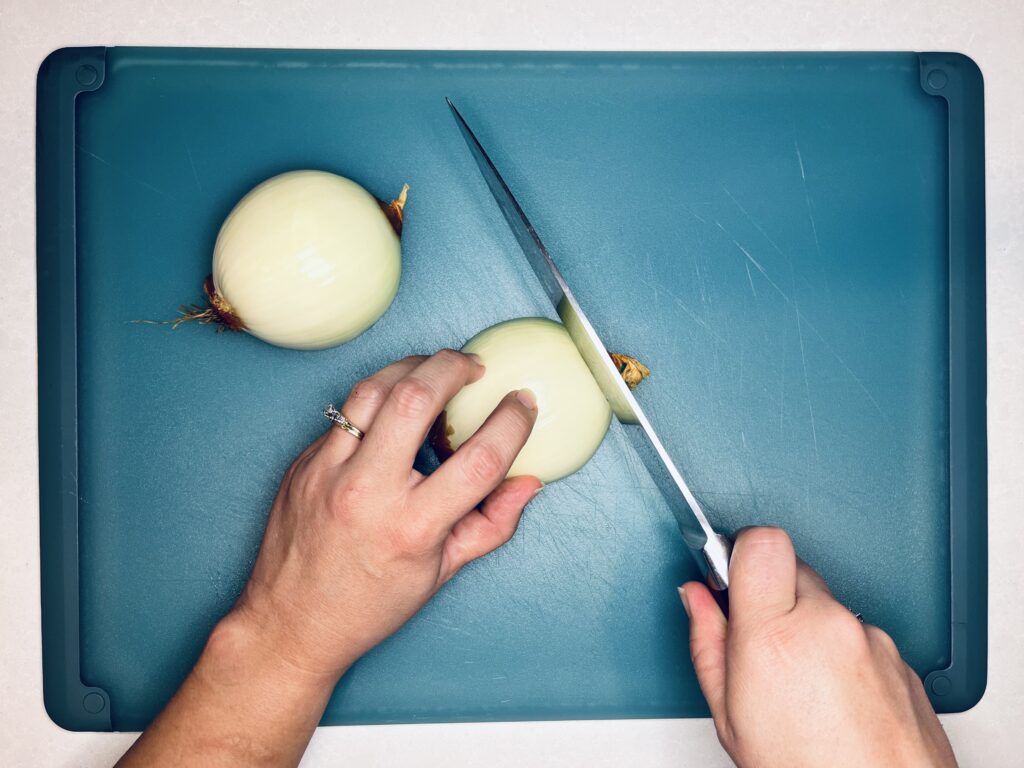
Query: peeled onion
[[306, 260], [537, 354]]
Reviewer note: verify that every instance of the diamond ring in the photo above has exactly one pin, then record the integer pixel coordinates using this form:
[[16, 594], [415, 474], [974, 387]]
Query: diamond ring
[[339, 420]]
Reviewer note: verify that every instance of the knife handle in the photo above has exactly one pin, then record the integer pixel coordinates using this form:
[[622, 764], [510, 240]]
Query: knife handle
[[717, 555], [721, 596]]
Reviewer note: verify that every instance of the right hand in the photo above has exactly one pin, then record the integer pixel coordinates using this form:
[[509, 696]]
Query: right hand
[[794, 679]]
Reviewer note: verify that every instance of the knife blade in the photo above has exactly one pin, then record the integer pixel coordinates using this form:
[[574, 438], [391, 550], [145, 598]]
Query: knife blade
[[710, 549]]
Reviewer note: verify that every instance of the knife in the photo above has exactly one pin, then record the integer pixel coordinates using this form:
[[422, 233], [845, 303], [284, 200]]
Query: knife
[[710, 549]]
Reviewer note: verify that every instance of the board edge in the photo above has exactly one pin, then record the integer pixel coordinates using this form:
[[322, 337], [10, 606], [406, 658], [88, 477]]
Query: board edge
[[957, 78], [62, 75]]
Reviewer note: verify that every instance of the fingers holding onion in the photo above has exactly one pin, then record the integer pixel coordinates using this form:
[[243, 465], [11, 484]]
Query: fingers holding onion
[[537, 354]]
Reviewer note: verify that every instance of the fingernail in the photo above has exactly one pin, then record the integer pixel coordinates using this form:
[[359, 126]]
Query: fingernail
[[527, 398], [475, 358], [537, 491], [682, 597]]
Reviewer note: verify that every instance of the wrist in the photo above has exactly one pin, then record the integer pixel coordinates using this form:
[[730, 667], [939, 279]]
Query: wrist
[[242, 651], [243, 704]]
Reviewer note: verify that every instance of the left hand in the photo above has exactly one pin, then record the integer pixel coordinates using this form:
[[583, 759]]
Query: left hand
[[357, 540]]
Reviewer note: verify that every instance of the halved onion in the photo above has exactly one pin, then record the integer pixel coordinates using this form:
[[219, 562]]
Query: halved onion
[[305, 260], [537, 354]]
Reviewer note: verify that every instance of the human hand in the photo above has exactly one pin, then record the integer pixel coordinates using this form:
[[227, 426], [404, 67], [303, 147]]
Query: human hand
[[794, 679], [357, 541]]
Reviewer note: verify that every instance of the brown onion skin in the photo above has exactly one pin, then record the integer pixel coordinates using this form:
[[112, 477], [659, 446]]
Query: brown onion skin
[[438, 437]]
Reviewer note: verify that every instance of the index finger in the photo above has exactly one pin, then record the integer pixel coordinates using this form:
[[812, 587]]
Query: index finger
[[762, 576], [410, 410], [482, 462]]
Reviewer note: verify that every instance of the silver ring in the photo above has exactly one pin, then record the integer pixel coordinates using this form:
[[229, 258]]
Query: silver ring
[[338, 419]]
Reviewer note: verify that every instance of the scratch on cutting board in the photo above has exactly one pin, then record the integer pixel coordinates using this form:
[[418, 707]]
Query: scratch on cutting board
[[762, 270], [700, 281], [860, 383], [712, 389], [446, 626], [803, 353], [782, 397], [752, 260], [764, 273], [750, 280], [814, 226], [772, 243], [750, 218], [694, 214], [651, 275], [689, 312], [110, 165], [848, 369], [810, 217], [192, 165], [807, 386]]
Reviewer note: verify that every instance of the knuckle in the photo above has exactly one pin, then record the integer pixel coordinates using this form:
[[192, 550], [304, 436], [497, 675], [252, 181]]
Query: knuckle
[[845, 631], [704, 660], [451, 357], [413, 397], [304, 488], [842, 621], [412, 539], [484, 464], [520, 421], [290, 473], [881, 640], [350, 496], [303, 483], [371, 391]]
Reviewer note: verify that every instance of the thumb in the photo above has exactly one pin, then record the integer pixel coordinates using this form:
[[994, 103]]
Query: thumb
[[708, 628]]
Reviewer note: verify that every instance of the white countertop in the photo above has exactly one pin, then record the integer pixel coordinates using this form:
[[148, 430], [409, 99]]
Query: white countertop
[[990, 31]]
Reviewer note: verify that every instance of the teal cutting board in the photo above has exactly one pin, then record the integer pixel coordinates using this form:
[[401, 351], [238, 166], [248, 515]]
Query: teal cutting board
[[793, 243]]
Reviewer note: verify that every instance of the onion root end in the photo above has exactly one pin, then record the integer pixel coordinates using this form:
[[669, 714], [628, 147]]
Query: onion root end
[[395, 209], [631, 369], [217, 312]]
